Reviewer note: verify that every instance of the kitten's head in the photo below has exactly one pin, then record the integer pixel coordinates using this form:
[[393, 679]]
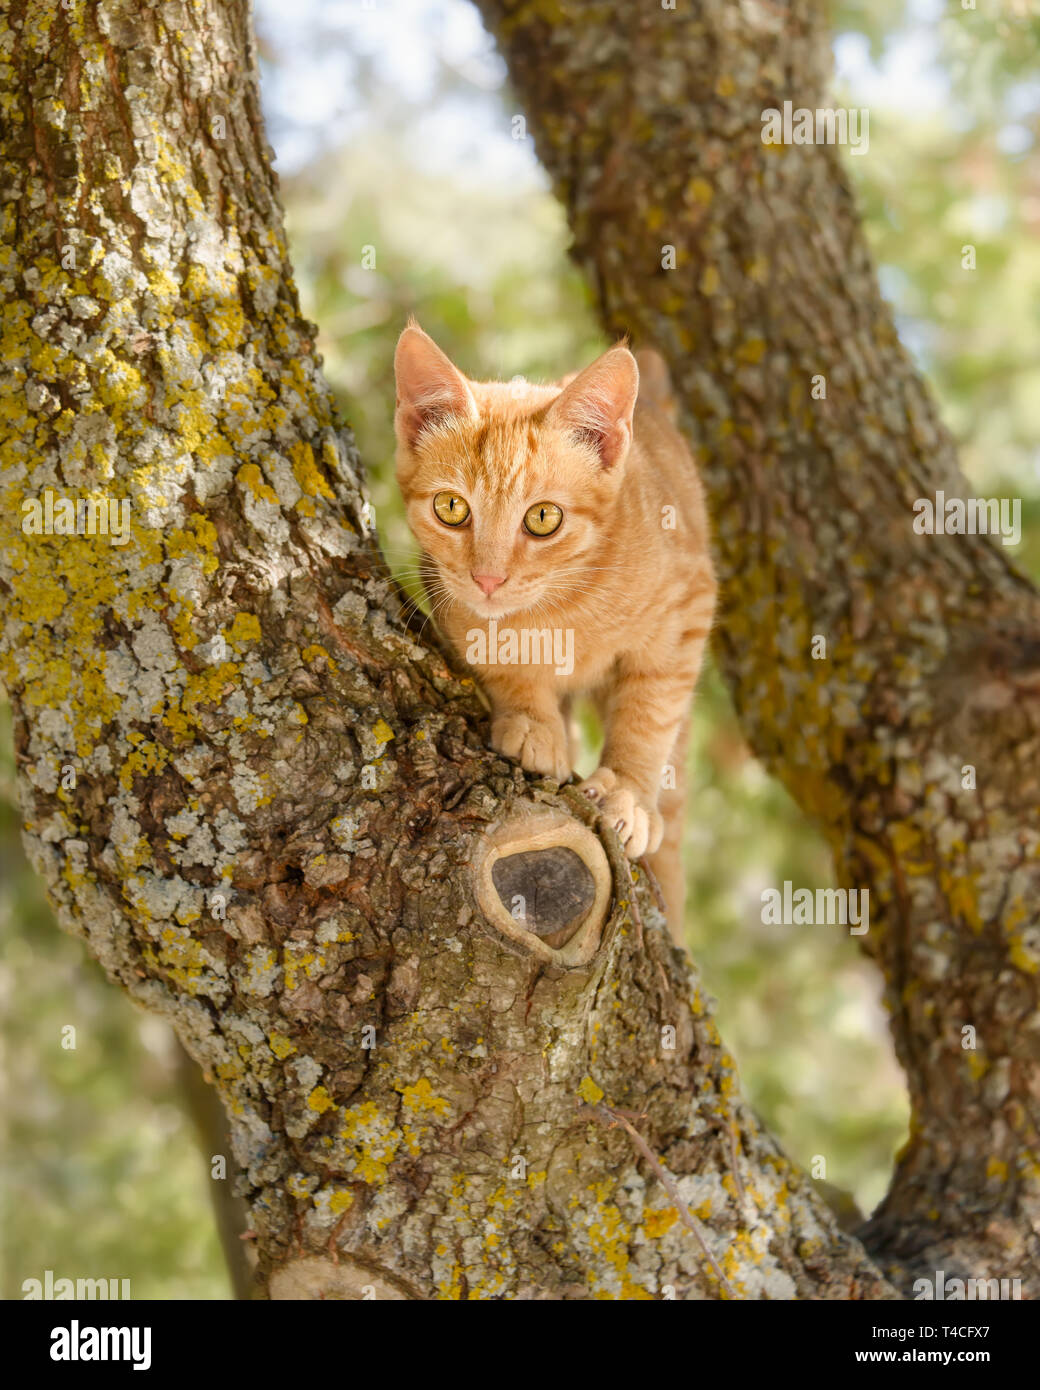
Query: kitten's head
[[509, 487]]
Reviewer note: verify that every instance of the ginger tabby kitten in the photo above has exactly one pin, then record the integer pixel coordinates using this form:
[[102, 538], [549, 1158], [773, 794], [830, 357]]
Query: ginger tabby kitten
[[565, 550]]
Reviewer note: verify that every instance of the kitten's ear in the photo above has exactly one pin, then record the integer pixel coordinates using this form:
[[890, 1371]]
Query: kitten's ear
[[429, 387], [598, 404]]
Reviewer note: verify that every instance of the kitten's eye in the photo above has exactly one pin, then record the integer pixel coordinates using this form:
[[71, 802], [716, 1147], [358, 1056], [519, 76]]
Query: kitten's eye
[[450, 508], [543, 518]]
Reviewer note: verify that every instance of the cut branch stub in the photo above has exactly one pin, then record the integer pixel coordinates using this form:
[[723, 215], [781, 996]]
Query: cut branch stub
[[555, 885], [543, 880]]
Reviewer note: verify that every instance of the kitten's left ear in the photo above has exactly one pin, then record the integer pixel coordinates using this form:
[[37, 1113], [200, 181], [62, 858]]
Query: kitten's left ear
[[429, 386], [598, 404]]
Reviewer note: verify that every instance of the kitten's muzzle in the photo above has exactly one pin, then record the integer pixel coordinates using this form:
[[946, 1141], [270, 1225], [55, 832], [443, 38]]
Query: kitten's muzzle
[[488, 582]]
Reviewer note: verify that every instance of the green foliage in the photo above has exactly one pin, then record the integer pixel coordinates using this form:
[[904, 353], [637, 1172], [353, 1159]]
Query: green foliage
[[936, 189]]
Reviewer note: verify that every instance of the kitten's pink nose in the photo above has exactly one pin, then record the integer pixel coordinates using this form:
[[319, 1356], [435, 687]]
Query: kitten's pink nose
[[489, 582]]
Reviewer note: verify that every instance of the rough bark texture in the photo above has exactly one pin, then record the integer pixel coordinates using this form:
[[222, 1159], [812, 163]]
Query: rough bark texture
[[649, 121]]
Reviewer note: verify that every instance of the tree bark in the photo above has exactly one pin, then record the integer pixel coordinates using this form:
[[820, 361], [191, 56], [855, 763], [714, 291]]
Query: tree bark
[[649, 121]]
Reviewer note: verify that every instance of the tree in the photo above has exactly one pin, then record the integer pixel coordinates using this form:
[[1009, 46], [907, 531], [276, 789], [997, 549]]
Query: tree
[[913, 741], [259, 793]]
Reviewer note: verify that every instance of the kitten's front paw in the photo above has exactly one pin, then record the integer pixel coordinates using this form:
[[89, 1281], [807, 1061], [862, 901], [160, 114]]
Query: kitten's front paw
[[638, 825], [536, 747]]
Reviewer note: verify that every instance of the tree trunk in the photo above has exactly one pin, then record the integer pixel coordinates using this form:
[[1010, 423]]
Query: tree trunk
[[650, 123]]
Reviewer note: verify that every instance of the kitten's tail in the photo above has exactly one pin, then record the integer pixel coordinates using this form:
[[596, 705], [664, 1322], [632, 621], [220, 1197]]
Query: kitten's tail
[[655, 382]]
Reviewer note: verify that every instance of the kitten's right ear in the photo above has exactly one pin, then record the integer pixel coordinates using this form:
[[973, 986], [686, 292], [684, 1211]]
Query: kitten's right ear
[[429, 387], [597, 404]]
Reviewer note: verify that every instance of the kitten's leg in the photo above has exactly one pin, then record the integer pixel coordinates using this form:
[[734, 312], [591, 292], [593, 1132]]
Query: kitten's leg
[[666, 863], [647, 708], [649, 702], [572, 727], [526, 723], [645, 712]]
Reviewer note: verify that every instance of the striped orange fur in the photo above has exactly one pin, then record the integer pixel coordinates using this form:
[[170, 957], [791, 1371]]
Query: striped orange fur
[[627, 572]]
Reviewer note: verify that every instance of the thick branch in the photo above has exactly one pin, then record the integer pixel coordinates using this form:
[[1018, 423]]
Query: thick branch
[[649, 121]]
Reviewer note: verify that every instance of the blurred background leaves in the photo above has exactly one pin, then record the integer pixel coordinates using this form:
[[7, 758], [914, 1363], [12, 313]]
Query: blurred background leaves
[[393, 130]]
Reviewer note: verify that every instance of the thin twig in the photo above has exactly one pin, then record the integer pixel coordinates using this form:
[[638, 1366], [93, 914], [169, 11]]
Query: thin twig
[[655, 887], [743, 1207], [634, 904], [735, 1169], [333, 1244], [611, 1118]]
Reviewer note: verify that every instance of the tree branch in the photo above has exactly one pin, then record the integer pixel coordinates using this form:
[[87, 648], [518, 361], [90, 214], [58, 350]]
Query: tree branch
[[746, 265]]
